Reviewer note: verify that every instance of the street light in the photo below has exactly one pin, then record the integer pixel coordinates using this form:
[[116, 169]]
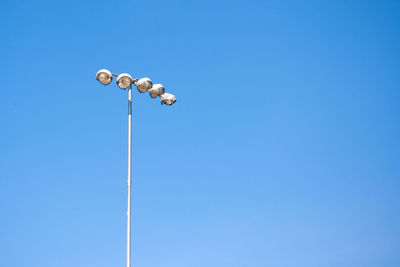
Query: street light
[[125, 81]]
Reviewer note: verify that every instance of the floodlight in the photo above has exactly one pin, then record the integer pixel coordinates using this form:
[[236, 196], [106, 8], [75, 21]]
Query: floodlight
[[144, 84], [124, 80], [104, 76], [167, 99], [156, 90]]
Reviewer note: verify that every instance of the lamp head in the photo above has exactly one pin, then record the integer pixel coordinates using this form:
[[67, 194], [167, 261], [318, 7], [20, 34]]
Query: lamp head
[[144, 84], [167, 99], [104, 76], [156, 90], [124, 80]]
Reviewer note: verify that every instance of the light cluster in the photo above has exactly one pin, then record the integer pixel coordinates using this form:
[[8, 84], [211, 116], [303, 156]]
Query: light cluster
[[125, 80]]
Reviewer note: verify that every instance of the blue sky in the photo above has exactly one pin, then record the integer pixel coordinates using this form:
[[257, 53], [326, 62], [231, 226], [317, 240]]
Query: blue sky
[[282, 150]]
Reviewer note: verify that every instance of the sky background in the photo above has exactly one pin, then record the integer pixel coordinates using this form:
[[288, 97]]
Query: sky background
[[282, 149]]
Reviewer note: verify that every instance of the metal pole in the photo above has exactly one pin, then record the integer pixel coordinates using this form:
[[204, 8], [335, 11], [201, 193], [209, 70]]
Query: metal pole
[[128, 213]]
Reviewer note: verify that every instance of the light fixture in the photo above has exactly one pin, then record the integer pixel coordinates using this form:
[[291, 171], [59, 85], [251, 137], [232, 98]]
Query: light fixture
[[167, 99], [104, 76], [144, 84], [156, 90], [124, 80]]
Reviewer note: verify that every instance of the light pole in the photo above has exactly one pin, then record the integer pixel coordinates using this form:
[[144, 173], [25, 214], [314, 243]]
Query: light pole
[[125, 81]]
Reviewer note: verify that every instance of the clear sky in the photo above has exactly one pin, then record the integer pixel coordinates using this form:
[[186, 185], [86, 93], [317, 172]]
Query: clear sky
[[282, 149]]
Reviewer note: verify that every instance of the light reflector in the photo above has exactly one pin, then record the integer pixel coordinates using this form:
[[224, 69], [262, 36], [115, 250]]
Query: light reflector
[[156, 90], [167, 99], [104, 76], [124, 80], [144, 84]]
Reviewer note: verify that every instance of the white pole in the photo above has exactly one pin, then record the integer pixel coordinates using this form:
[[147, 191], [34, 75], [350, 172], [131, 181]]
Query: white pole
[[128, 213]]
